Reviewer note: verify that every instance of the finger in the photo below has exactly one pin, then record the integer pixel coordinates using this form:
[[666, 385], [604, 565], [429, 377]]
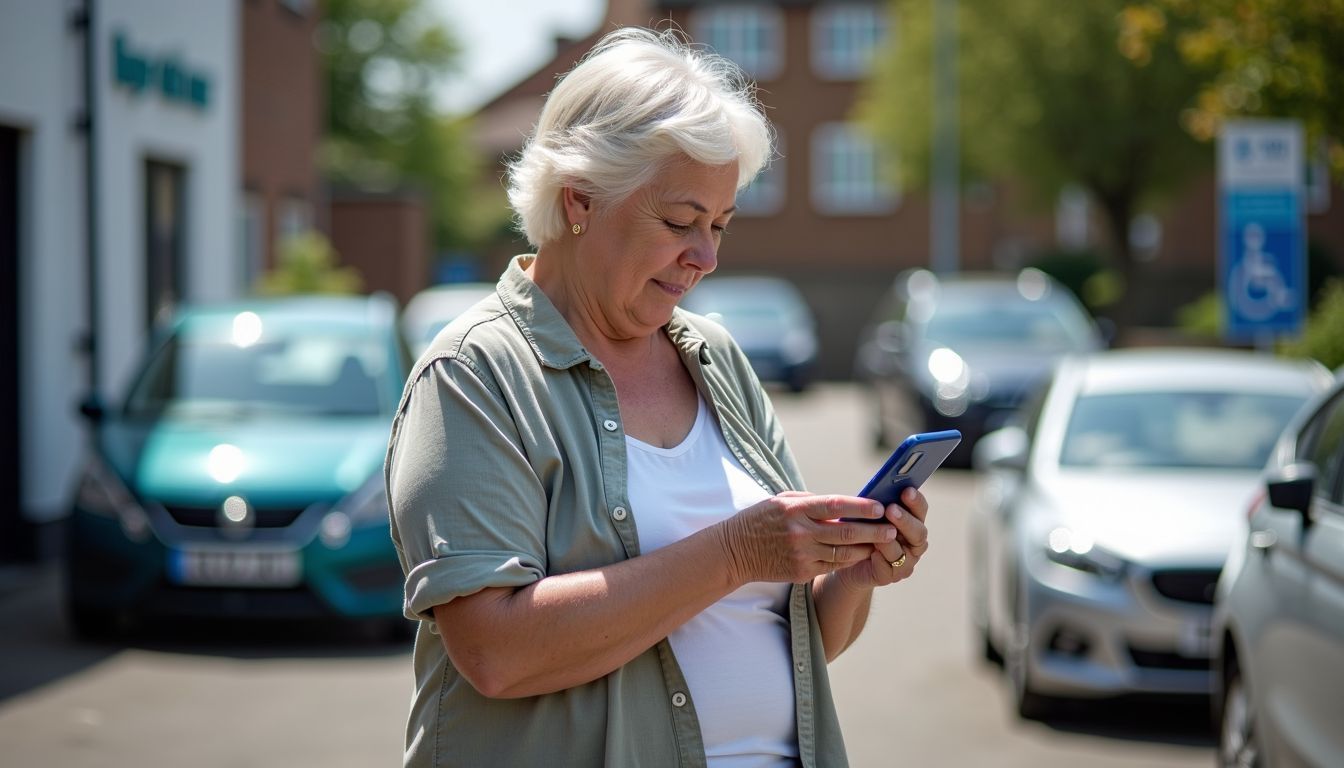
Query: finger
[[914, 535], [915, 502], [844, 555], [835, 507]]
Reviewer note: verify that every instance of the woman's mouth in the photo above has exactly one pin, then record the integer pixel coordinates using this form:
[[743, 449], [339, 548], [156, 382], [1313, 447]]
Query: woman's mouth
[[671, 288]]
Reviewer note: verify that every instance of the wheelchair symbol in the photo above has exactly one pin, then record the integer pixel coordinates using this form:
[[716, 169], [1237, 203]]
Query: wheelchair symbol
[[1256, 288]]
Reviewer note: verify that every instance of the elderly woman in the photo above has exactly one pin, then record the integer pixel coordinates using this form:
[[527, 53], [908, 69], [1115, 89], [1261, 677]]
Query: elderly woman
[[594, 504]]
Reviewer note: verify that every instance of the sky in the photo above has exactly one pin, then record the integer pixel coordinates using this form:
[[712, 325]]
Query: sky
[[503, 41]]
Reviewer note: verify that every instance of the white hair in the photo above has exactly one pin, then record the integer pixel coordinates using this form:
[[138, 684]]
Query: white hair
[[638, 100]]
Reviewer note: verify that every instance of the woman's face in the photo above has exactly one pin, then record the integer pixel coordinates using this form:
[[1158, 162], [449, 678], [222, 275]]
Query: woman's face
[[640, 257]]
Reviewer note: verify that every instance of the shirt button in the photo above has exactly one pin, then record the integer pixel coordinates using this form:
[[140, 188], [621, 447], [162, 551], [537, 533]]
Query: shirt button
[[801, 666], [678, 699], [618, 513], [609, 425]]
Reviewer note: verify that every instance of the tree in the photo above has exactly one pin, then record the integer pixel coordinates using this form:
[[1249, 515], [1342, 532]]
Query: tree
[[1280, 58], [383, 59], [1046, 99]]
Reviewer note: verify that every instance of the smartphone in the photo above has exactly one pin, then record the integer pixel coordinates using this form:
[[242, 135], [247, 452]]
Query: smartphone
[[913, 461]]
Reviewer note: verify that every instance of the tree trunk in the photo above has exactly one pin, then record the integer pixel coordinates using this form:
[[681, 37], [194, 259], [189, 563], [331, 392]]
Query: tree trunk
[[1118, 207]]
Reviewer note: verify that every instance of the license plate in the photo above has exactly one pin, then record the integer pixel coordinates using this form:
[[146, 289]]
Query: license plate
[[1196, 639], [235, 567]]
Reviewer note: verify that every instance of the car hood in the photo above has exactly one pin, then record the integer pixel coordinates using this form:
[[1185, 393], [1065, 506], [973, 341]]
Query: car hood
[[276, 461], [1165, 517]]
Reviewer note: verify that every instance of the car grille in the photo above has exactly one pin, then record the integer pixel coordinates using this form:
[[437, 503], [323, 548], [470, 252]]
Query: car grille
[[1192, 585], [1152, 659], [208, 517]]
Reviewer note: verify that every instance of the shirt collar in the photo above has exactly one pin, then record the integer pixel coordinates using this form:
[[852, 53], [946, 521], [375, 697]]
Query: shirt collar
[[550, 336]]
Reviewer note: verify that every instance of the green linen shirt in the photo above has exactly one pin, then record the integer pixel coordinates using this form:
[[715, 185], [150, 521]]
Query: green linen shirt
[[507, 463]]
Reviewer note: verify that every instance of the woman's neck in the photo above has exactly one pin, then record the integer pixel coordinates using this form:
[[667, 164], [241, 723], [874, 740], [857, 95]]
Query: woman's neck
[[552, 270]]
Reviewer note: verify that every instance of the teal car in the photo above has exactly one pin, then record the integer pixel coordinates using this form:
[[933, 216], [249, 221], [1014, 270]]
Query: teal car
[[241, 476]]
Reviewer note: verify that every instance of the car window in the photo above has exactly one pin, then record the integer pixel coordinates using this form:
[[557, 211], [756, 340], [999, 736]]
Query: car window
[[317, 374], [1048, 325], [1322, 444], [1175, 429]]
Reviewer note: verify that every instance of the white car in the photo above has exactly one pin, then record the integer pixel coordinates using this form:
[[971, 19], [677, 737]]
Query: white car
[[1108, 512], [433, 308]]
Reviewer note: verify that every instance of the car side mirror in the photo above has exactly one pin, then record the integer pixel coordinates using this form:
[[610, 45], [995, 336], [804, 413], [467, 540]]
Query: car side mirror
[[1004, 448], [92, 408], [1292, 487]]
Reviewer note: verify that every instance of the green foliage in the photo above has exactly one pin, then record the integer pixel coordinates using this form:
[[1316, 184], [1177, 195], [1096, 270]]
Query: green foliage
[[1323, 336], [1202, 318], [1281, 58], [1045, 97], [308, 264], [1070, 267], [383, 59]]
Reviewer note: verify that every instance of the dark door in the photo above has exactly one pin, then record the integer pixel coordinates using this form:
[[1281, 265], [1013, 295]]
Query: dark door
[[165, 236], [16, 539]]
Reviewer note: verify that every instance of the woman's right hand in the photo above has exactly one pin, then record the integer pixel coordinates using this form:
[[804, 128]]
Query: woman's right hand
[[794, 537]]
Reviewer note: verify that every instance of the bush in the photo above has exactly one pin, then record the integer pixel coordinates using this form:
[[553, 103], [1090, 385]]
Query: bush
[[1323, 334], [307, 264]]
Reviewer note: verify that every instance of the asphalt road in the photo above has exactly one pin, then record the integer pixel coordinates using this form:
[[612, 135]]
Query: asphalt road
[[910, 692]]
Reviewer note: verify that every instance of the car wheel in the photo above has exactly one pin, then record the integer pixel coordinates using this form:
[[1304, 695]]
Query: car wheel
[[1238, 745], [1030, 704]]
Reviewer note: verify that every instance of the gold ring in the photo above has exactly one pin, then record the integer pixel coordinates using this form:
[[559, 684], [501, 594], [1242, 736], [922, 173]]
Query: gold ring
[[833, 560], [898, 562]]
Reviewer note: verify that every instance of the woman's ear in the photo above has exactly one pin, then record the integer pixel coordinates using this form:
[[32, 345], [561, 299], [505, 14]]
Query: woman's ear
[[578, 206]]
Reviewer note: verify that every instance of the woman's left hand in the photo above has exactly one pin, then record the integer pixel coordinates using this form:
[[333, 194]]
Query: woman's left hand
[[894, 561]]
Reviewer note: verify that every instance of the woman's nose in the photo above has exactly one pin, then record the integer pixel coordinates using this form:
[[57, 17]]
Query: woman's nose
[[703, 253]]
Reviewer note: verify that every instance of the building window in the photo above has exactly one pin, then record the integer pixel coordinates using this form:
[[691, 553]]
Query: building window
[[845, 38], [294, 217], [750, 35], [165, 239], [847, 173], [252, 239], [765, 195]]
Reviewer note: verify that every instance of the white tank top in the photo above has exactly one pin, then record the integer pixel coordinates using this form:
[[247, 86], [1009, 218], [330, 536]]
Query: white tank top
[[735, 654]]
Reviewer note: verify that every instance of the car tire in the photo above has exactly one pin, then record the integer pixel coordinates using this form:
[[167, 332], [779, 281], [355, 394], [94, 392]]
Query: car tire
[[1030, 704], [1238, 744]]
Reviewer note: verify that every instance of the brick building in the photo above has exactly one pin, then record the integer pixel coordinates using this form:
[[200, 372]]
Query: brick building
[[823, 216]]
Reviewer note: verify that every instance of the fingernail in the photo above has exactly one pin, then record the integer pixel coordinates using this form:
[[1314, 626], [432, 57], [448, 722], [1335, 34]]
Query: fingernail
[[877, 510], [890, 534], [899, 513]]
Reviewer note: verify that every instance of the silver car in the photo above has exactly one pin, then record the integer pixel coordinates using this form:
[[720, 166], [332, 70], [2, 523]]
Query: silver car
[[1106, 515], [768, 318], [433, 308], [1279, 610]]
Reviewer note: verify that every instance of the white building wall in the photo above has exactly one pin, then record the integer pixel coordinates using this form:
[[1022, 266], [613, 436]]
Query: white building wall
[[41, 81], [39, 93], [135, 127]]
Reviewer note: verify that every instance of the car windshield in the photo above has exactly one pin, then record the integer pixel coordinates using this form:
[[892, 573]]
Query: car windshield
[[313, 374], [751, 303], [1224, 430], [986, 319]]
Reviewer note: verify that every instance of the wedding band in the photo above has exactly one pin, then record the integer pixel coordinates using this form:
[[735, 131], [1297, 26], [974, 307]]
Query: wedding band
[[833, 560], [898, 562]]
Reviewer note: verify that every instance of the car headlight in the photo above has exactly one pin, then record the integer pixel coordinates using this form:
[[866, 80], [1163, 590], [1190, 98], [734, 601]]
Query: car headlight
[[1077, 550], [366, 506], [101, 492], [951, 378]]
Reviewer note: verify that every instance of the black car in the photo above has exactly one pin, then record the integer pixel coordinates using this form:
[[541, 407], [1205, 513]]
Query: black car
[[961, 351]]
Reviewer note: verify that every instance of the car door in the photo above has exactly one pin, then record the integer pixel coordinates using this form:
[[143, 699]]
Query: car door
[[1303, 644]]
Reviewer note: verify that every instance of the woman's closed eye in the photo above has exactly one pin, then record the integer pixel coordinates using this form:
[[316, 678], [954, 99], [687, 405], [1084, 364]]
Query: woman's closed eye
[[718, 230]]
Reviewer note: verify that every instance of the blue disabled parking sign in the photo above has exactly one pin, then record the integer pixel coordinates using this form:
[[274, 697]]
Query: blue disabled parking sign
[[1262, 254]]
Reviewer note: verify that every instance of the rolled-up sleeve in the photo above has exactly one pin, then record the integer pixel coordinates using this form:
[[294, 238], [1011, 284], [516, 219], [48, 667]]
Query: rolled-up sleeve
[[468, 511]]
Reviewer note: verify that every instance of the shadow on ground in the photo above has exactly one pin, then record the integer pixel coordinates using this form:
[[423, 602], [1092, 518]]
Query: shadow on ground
[[39, 648]]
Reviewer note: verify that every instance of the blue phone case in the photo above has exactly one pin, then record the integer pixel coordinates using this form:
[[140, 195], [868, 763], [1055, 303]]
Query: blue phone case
[[913, 462]]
